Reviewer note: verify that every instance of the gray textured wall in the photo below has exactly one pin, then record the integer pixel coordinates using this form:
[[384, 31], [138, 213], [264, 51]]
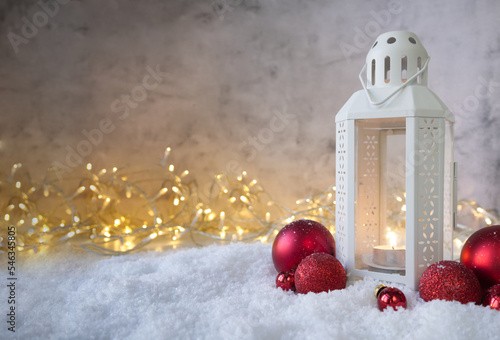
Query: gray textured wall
[[241, 84]]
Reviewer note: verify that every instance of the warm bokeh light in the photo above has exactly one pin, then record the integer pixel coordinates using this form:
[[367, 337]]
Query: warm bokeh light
[[120, 211]]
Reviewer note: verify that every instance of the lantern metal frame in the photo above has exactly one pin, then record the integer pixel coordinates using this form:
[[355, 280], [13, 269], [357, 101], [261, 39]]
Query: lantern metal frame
[[395, 90]]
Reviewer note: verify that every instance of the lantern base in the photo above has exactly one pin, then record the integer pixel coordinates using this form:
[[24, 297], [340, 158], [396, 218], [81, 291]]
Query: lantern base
[[397, 276], [372, 266]]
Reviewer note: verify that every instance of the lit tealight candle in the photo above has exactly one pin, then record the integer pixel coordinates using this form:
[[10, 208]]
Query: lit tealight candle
[[390, 255]]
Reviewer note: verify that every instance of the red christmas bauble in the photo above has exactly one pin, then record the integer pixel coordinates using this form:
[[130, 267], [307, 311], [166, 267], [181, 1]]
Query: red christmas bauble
[[285, 280], [492, 297], [451, 281], [390, 297], [319, 272], [299, 239], [481, 253]]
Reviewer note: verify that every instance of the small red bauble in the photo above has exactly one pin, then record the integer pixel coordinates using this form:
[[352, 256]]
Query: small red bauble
[[299, 239], [319, 272], [285, 280], [481, 253], [390, 297], [492, 297], [451, 281]]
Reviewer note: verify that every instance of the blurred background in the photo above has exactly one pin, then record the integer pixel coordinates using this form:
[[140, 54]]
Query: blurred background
[[231, 85]]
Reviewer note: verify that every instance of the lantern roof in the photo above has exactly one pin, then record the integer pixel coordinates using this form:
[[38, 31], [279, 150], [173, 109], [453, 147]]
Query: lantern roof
[[411, 101], [395, 83]]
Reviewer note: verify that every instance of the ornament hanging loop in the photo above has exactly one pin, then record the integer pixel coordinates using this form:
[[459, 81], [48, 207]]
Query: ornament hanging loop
[[380, 102]]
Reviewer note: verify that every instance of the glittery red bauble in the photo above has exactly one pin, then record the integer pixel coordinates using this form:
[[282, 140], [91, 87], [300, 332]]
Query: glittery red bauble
[[391, 297], [285, 280], [319, 272], [492, 297], [299, 239], [481, 253], [451, 281]]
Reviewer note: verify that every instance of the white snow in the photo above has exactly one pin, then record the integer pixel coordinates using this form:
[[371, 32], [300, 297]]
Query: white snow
[[216, 292]]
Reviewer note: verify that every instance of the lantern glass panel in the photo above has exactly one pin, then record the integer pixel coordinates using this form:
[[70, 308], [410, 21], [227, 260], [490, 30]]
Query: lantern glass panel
[[380, 227]]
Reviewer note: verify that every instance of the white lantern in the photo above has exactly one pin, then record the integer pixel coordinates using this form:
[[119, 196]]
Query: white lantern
[[395, 177]]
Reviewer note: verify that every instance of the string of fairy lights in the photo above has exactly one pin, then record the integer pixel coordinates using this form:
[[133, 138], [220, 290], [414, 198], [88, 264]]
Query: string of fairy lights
[[115, 211], [121, 210]]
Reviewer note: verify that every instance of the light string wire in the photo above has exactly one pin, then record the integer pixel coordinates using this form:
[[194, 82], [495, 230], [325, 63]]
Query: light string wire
[[122, 210]]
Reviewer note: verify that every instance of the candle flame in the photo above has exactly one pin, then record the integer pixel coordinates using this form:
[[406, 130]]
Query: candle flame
[[392, 239]]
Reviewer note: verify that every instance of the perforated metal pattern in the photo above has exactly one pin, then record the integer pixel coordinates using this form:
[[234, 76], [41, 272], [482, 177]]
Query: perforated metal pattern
[[341, 193], [430, 136]]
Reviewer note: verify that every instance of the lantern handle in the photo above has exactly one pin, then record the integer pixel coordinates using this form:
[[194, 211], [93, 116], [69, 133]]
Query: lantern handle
[[402, 86]]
